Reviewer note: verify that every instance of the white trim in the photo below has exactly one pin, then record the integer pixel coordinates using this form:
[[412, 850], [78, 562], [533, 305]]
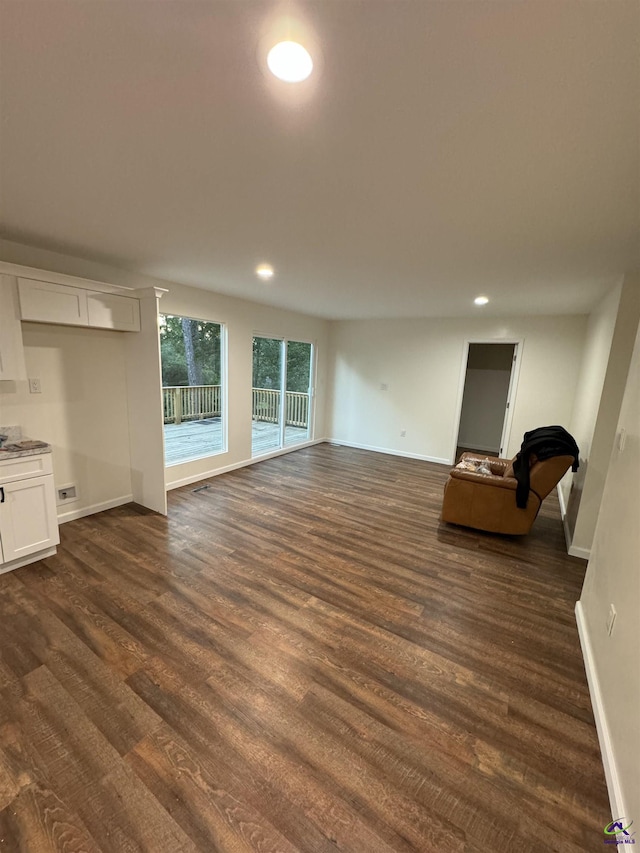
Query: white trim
[[511, 396], [563, 506], [336, 442], [616, 798], [518, 344], [563, 516], [205, 475], [572, 550], [583, 553], [224, 379], [62, 278], [461, 382], [90, 510], [25, 561]]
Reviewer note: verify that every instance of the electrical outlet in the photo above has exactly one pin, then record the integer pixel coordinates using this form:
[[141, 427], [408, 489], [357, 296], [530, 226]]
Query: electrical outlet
[[35, 387], [66, 494], [403, 433], [611, 620], [384, 386]]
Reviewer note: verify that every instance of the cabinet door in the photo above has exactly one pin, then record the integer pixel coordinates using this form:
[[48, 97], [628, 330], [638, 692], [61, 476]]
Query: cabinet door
[[12, 364], [28, 520], [46, 302], [110, 311]]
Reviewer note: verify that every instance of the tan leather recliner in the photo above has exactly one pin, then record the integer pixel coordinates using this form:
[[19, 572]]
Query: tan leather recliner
[[488, 501]]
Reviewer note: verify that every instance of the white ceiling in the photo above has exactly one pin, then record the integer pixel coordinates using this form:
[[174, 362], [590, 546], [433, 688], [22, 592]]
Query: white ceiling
[[441, 150]]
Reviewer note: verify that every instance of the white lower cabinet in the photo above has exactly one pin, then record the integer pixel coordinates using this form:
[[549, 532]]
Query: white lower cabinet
[[28, 518]]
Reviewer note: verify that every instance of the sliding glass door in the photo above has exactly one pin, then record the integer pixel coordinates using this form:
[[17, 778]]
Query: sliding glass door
[[266, 411], [298, 396], [281, 394]]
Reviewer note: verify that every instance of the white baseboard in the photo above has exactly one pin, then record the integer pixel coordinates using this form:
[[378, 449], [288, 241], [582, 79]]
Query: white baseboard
[[93, 508], [563, 506], [205, 475], [572, 550], [563, 516], [616, 798], [583, 553], [339, 443]]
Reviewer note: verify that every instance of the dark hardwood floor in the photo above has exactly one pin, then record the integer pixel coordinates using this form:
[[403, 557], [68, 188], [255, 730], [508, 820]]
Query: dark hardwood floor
[[301, 657]]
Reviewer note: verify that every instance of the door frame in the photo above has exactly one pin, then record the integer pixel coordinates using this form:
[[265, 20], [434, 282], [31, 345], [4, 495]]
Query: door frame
[[518, 344]]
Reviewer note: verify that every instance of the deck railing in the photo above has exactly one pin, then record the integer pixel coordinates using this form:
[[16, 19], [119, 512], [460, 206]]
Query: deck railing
[[266, 407], [191, 403], [196, 402], [297, 409]]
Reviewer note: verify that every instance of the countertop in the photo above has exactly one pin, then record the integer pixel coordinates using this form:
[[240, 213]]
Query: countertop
[[13, 444], [26, 451]]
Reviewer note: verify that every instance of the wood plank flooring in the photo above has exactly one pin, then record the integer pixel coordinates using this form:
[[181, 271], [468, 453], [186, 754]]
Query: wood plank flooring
[[300, 658]]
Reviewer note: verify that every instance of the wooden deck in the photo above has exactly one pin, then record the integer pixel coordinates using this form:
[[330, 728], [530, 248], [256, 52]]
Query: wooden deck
[[195, 439]]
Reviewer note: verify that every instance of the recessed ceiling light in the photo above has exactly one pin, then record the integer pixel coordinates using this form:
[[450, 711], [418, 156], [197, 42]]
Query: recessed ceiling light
[[264, 272], [481, 300], [289, 61]]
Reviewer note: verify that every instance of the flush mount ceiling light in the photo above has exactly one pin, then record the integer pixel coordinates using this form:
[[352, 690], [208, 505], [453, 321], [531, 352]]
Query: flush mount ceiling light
[[290, 61], [481, 300], [264, 272]]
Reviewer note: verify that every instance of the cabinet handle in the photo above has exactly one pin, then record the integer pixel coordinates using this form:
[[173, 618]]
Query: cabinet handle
[[2, 493]]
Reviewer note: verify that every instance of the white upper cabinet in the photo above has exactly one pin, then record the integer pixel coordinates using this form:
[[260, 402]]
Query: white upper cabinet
[[12, 364], [49, 302], [46, 302], [110, 311]]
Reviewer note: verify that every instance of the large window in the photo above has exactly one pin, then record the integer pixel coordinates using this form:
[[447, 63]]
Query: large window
[[282, 381], [193, 393]]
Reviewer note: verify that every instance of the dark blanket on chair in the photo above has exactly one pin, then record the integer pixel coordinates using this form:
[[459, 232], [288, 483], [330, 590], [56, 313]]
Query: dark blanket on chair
[[544, 442]]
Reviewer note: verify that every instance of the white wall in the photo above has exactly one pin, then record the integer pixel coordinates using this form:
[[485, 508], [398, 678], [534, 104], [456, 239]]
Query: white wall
[[617, 368], [595, 357], [613, 577], [82, 410], [421, 362], [242, 319]]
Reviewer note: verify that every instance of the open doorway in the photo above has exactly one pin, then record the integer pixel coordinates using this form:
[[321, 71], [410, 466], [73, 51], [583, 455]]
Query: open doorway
[[488, 383]]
